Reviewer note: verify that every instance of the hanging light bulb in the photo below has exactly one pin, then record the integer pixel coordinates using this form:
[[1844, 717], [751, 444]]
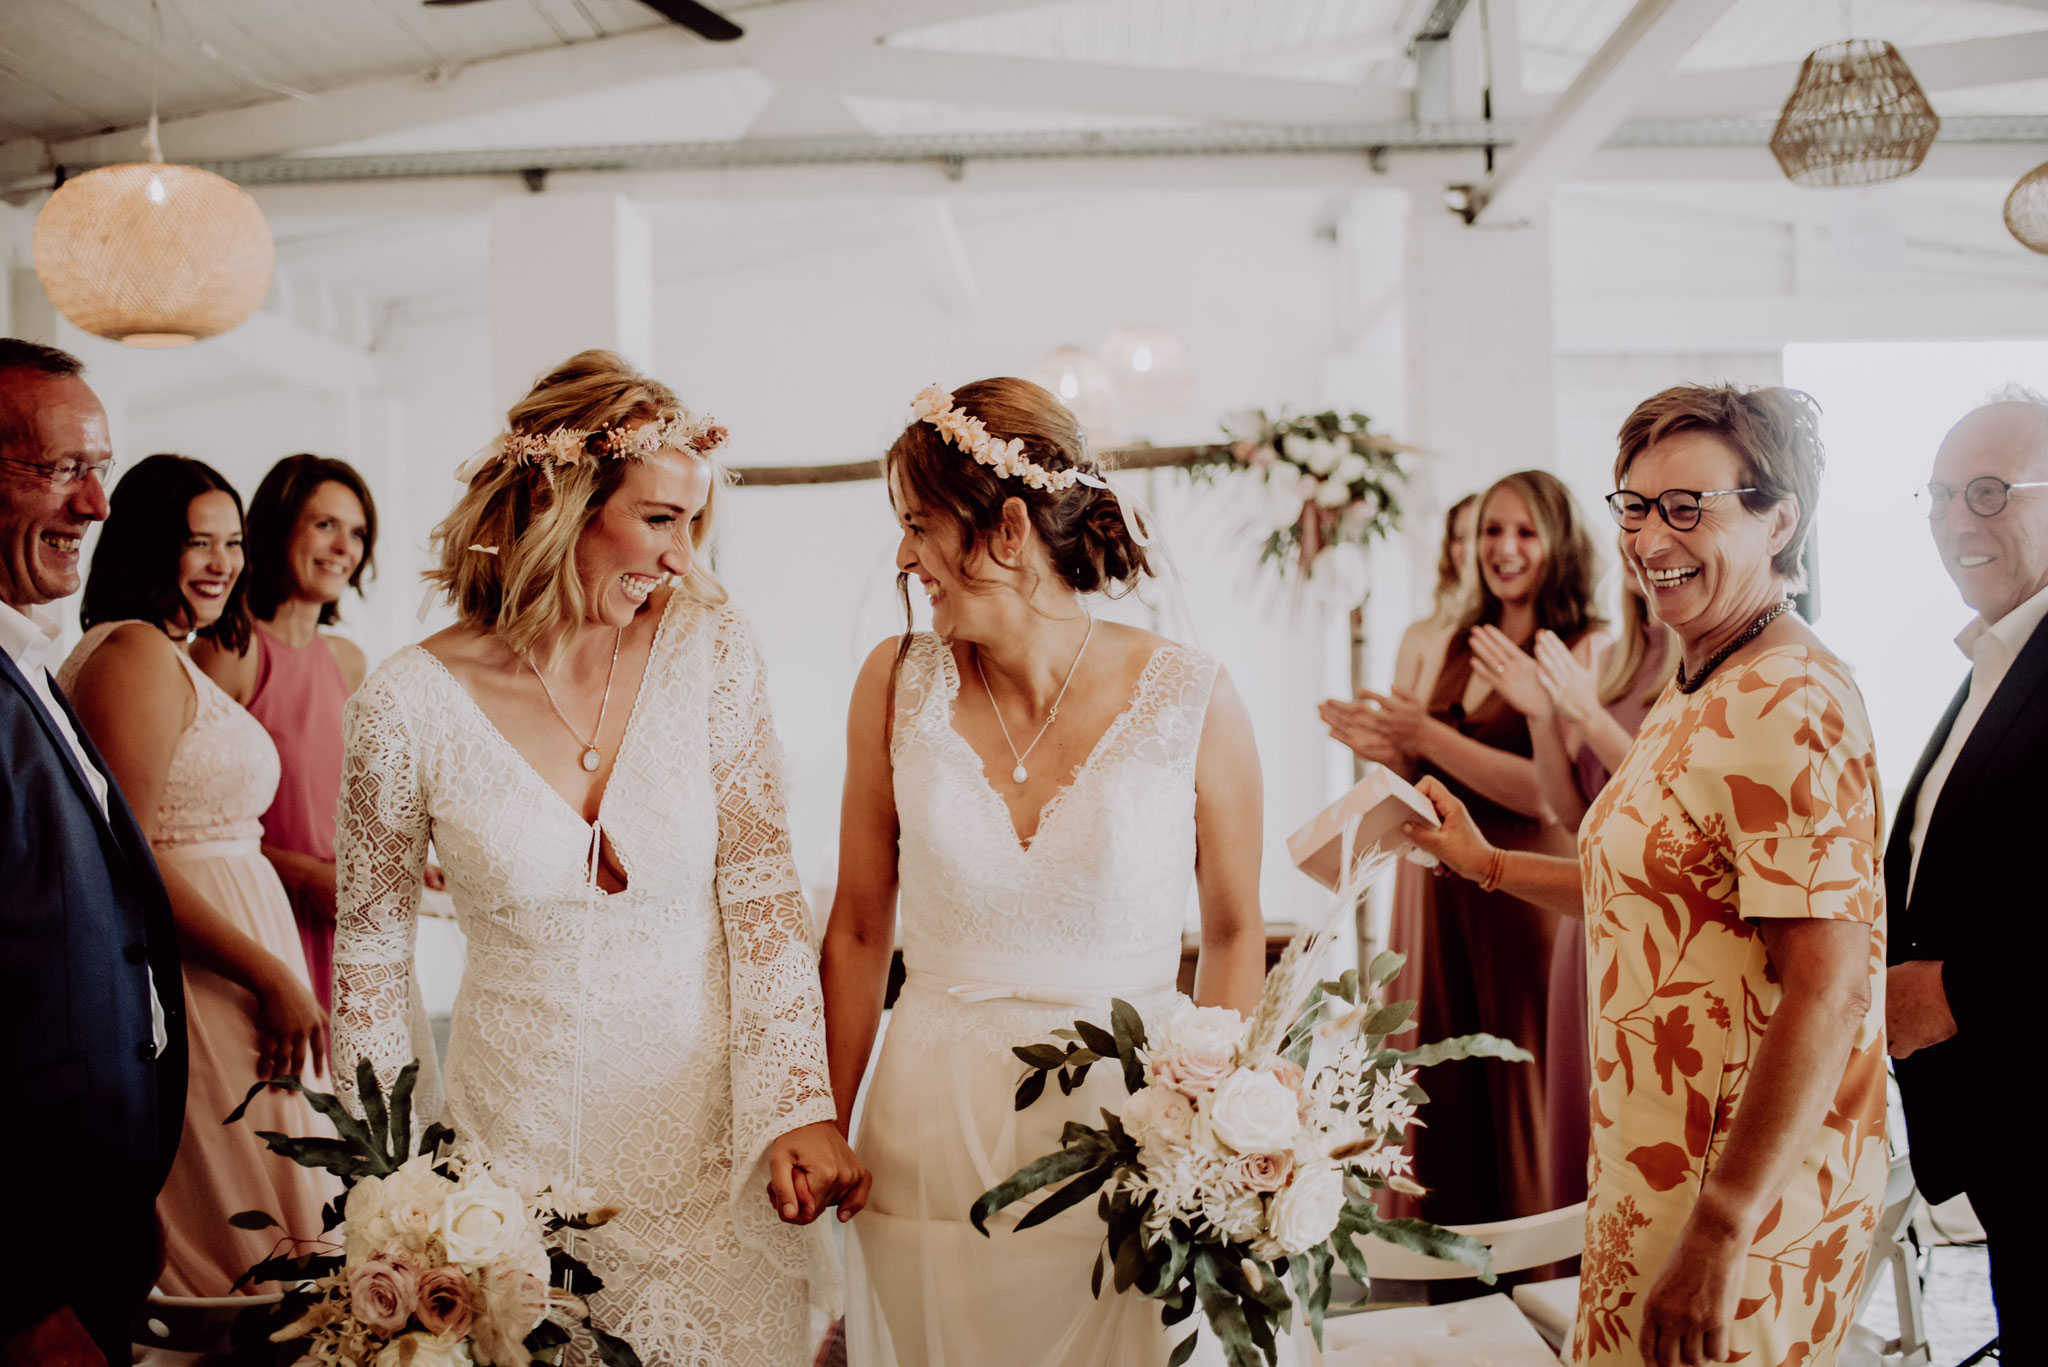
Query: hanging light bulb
[[152, 253], [1085, 385], [1150, 369]]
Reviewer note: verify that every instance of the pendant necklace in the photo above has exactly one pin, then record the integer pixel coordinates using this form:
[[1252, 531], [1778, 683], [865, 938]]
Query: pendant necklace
[[591, 757], [1020, 773], [1714, 661]]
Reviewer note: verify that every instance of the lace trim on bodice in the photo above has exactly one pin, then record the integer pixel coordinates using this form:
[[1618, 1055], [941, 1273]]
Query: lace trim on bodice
[[224, 769], [1104, 880]]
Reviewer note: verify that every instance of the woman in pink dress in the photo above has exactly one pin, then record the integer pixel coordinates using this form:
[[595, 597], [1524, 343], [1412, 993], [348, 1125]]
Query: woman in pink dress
[[312, 531], [199, 773]]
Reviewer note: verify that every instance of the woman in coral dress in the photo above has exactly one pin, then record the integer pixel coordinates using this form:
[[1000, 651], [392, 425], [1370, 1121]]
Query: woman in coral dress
[[1735, 912]]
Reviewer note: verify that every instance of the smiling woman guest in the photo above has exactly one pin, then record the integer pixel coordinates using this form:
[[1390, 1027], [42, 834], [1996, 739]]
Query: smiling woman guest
[[199, 773], [1729, 877], [312, 532], [1480, 955], [589, 748]]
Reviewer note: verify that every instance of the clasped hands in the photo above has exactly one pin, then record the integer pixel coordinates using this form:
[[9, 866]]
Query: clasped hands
[[811, 1169]]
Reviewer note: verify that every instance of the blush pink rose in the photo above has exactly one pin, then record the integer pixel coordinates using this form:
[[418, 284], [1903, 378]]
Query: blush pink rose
[[1288, 1071], [1262, 1171], [382, 1293], [444, 1302], [1191, 1074]]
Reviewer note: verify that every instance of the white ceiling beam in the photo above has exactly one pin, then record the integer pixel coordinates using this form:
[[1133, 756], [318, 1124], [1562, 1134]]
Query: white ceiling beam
[[1632, 324], [1762, 89], [1640, 52], [373, 108]]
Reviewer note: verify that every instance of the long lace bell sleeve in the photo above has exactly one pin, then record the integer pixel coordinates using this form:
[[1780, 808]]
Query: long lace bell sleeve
[[380, 848], [780, 1079]]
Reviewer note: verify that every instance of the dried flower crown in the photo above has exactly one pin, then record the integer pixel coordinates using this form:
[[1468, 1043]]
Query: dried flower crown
[[567, 446], [965, 431]]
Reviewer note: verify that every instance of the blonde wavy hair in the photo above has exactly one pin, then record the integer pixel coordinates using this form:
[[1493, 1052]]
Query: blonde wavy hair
[[534, 516]]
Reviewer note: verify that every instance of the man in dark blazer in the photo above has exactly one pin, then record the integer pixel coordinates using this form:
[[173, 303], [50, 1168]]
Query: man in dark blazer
[[92, 1027], [1965, 872]]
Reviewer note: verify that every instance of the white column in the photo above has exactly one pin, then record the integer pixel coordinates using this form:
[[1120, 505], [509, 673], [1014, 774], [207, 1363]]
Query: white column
[[1480, 382], [568, 272]]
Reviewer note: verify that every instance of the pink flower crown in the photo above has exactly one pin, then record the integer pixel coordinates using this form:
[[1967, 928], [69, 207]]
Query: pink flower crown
[[566, 446], [965, 431]]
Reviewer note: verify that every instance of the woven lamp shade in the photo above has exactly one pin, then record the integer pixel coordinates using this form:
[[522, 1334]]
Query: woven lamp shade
[[1855, 116], [153, 254], [2026, 210]]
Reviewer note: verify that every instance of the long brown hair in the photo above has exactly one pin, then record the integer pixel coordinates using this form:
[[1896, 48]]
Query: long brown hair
[[1641, 634], [1450, 582], [1564, 598]]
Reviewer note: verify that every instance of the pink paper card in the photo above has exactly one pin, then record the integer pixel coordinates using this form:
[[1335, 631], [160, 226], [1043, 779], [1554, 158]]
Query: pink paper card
[[1379, 803]]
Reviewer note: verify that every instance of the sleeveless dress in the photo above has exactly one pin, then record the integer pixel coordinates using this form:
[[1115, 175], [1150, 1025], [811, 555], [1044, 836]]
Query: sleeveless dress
[[1003, 943], [208, 828], [645, 1045], [299, 696], [1480, 962]]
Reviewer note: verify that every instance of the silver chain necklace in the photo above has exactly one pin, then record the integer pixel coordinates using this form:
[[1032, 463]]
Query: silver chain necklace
[[1020, 773], [591, 757]]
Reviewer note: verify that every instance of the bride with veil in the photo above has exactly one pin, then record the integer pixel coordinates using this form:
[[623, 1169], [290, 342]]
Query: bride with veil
[[1039, 789]]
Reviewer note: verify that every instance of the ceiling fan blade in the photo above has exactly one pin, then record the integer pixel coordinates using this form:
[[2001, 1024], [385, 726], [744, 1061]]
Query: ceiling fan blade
[[706, 23]]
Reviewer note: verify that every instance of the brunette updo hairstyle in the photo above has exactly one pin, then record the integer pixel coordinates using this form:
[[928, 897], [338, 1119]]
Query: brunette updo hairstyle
[[1083, 527]]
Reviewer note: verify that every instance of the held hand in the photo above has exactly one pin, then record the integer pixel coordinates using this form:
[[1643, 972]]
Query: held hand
[[319, 888], [1916, 1012], [1399, 718], [1457, 843], [435, 878], [1512, 672], [812, 1167], [1691, 1306], [1574, 689], [290, 1026]]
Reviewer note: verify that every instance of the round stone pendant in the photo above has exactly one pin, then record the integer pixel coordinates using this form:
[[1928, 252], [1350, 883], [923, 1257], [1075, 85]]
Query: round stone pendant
[[1019, 774], [590, 760]]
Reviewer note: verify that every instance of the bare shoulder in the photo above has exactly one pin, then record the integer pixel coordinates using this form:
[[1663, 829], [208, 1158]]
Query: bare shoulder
[[138, 662], [871, 684], [347, 654]]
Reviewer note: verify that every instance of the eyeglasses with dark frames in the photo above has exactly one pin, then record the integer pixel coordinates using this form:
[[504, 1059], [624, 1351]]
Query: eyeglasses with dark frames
[[1680, 508], [1986, 495], [65, 472]]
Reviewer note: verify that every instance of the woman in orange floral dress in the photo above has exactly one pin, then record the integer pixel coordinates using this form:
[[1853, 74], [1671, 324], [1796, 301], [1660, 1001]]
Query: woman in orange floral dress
[[1730, 879]]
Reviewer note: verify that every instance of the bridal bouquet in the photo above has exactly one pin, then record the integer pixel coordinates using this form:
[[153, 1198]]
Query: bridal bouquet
[[1325, 481], [1245, 1160], [440, 1264]]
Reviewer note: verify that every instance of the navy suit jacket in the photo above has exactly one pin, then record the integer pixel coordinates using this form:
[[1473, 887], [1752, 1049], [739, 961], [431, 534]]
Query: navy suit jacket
[[90, 1110], [1980, 905]]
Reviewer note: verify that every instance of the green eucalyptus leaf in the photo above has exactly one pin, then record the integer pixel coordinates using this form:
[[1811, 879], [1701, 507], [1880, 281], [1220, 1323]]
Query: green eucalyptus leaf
[[289, 1084], [1225, 1313], [253, 1219], [545, 1336], [1095, 1277], [370, 1147], [1388, 1020], [398, 1122], [1384, 966], [1054, 1167], [1183, 1350], [1068, 1196], [1041, 1055], [1462, 1046], [434, 1137], [1030, 1089], [613, 1351], [1432, 1241], [1129, 1029], [1096, 1038]]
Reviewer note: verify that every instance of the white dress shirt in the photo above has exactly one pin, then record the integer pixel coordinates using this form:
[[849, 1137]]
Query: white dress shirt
[[27, 638], [1992, 648]]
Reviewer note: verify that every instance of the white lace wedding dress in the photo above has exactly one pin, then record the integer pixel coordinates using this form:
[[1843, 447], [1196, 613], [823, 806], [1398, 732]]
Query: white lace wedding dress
[[646, 1044], [1003, 944]]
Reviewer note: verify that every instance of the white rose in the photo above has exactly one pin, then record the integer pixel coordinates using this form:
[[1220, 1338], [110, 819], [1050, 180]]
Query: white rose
[[1209, 1032], [1298, 448], [1159, 1117], [1304, 1213], [367, 1227], [427, 1350], [1322, 456], [1333, 494], [1281, 505], [1350, 469], [482, 1222], [1254, 1112]]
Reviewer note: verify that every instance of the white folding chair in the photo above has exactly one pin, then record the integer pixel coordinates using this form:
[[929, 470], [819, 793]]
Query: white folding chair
[[192, 1331], [1487, 1329]]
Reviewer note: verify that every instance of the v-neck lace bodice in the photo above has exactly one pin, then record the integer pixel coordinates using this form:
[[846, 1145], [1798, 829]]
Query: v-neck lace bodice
[[647, 1043]]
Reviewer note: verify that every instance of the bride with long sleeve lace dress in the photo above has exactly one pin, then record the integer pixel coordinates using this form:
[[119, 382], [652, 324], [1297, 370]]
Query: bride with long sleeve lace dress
[[639, 1016], [1039, 877]]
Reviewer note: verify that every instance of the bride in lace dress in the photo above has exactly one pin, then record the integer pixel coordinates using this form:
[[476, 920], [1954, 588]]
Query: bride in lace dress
[[1042, 788], [591, 754]]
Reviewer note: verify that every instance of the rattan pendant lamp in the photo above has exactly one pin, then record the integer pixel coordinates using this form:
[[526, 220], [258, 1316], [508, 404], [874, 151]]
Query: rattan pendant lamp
[[152, 253], [1856, 116]]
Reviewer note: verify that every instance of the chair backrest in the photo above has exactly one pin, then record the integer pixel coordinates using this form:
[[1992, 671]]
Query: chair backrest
[[193, 1324], [1531, 1241]]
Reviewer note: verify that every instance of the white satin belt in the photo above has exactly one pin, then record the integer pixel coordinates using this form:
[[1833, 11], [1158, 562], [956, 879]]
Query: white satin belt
[[1054, 980], [194, 850]]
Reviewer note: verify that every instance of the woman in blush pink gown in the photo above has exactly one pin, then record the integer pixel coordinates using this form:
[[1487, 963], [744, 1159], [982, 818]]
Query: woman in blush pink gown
[[312, 532]]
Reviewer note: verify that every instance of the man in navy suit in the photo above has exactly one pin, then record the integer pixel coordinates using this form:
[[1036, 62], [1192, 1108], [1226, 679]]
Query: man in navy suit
[[1964, 873], [92, 1026]]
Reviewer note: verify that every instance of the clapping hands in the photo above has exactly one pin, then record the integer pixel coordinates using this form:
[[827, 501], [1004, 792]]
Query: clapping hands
[[1515, 675], [1574, 689], [1382, 727]]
